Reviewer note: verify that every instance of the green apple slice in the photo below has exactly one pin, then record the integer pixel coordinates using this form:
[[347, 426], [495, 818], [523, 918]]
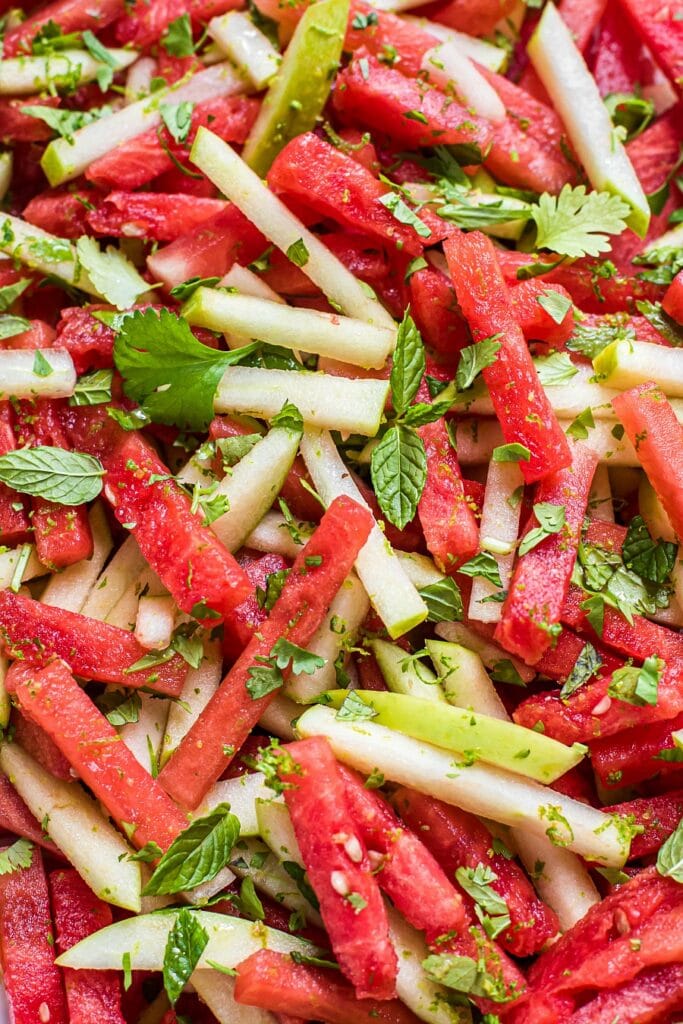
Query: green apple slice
[[325, 334], [253, 485], [143, 938], [75, 823], [335, 403], [474, 737], [478, 788], [393, 596], [64, 159], [302, 85], [403, 675], [571, 87], [26, 76], [625, 364]]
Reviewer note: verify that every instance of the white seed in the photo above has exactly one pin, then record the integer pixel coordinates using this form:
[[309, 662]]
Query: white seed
[[44, 1012], [340, 837], [376, 859], [339, 883], [621, 921], [354, 849], [603, 706]]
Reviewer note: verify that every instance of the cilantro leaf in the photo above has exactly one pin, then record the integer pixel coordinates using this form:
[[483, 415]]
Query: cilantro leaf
[[172, 375], [354, 709], [577, 223], [399, 472], [263, 679], [177, 118], [484, 565], [594, 607], [18, 855], [197, 854], [301, 660], [477, 883], [555, 369], [65, 477], [177, 39], [585, 667], [186, 942], [550, 519], [652, 560], [65, 122], [474, 359], [183, 292], [589, 340], [408, 364]]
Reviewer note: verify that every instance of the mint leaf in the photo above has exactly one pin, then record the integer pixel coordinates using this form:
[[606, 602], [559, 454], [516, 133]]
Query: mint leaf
[[186, 942], [93, 388], [167, 371], [298, 253], [96, 49], [474, 359], [197, 854], [9, 293], [650, 559], [443, 600], [403, 214], [594, 607], [662, 322], [65, 477], [511, 453], [408, 365], [637, 686], [585, 667], [484, 565], [11, 325], [551, 520], [41, 366], [670, 856], [399, 472], [579, 427]]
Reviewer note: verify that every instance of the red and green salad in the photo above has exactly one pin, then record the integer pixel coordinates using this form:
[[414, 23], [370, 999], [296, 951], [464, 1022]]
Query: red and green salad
[[341, 503]]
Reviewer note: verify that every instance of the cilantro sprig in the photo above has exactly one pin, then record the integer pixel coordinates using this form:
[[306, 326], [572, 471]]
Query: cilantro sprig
[[171, 375], [576, 222]]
